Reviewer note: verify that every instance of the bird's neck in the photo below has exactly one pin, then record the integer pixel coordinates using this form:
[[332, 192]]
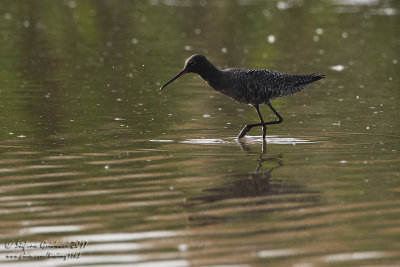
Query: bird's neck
[[212, 76]]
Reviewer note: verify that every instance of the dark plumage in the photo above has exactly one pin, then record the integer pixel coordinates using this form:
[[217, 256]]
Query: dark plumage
[[250, 86]]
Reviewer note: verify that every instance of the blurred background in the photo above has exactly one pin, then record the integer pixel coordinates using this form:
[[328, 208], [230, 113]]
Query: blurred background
[[91, 150]]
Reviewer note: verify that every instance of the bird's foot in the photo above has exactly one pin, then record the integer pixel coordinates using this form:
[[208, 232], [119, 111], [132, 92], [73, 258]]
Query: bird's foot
[[264, 128], [243, 131]]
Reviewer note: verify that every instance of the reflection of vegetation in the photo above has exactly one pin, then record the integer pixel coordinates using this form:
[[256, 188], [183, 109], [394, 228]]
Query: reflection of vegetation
[[77, 65]]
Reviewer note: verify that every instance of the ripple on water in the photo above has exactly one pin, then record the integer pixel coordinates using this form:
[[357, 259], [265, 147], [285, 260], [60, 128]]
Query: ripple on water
[[205, 141], [273, 139]]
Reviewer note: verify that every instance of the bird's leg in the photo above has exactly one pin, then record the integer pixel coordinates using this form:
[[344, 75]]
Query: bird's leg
[[280, 119], [248, 127], [264, 147], [264, 126]]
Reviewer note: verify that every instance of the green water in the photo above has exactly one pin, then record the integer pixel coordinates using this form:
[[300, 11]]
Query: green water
[[92, 152]]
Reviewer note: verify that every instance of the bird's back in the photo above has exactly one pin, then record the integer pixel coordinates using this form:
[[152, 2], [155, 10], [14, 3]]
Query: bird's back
[[257, 86]]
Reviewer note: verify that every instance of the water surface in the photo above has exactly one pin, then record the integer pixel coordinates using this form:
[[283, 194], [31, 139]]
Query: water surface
[[92, 153]]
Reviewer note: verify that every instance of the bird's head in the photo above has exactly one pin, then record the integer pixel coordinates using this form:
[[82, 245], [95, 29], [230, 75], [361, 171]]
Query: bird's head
[[194, 64]]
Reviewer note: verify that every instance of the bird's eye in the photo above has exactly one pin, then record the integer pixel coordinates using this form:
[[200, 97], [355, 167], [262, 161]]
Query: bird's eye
[[192, 63]]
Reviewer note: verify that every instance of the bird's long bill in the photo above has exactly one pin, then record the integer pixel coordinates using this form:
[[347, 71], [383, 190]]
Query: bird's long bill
[[182, 72]]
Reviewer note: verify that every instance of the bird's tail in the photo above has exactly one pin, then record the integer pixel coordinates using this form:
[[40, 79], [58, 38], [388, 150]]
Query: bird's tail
[[308, 78], [301, 81], [318, 76]]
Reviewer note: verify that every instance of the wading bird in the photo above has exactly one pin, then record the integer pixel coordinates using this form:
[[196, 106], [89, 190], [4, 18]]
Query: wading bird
[[250, 86]]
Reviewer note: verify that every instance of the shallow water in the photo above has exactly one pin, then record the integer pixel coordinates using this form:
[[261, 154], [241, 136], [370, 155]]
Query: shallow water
[[92, 153]]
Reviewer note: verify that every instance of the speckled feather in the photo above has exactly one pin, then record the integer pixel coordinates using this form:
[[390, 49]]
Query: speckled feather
[[251, 86], [257, 86]]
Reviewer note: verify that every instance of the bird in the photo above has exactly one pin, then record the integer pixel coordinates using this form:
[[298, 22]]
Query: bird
[[249, 86]]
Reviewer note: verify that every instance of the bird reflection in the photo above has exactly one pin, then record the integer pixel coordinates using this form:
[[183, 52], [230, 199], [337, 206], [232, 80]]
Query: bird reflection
[[251, 184], [254, 190], [245, 147]]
